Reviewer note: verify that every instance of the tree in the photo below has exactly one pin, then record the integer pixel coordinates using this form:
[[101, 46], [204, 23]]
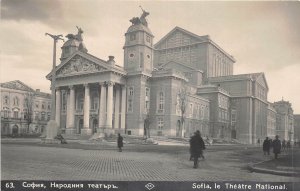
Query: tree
[[28, 108], [182, 104]]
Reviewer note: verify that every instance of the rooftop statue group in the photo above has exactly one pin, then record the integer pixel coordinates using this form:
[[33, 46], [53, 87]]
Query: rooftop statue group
[[78, 36], [141, 19]]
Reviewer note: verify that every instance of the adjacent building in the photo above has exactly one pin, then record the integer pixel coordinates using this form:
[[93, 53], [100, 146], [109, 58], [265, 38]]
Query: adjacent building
[[23, 110], [297, 127], [284, 120]]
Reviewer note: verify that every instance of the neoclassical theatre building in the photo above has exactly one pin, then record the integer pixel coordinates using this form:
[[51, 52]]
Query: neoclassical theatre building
[[182, 78]]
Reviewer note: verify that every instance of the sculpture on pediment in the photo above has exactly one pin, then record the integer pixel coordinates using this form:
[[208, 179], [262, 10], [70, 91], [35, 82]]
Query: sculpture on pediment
[[141, 19], [79, 65]]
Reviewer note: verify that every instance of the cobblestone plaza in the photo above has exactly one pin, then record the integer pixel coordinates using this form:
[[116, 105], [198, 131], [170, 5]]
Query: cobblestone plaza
[[136, 163]]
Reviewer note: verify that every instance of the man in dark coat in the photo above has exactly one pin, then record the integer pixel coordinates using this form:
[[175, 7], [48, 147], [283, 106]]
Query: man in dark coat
[[197, 147], [276, 146], [266, 146], [120, 142]]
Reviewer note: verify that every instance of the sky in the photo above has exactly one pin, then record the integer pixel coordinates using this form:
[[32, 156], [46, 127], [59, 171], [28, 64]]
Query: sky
[[261, 36]]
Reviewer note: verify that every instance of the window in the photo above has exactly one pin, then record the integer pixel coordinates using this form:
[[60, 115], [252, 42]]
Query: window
[[43, 116], [148, 38], [16, 101], [48, 117], [191, 110], [147, 99], [130, 105], [80, 100], [94, 101], [160, 123], [16, 114], [6, 100], [233, 116], [161, 102], [6, 113], [131, 91], [132, 36], [131, 55], [43, 106], [130, 99], [37, 105], [36, 115]]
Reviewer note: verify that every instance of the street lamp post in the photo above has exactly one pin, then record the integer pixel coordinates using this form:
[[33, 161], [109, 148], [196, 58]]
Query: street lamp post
[[52, 126]]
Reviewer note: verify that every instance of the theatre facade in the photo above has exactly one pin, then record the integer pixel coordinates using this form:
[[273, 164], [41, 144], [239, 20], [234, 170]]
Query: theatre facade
[[181, 84]]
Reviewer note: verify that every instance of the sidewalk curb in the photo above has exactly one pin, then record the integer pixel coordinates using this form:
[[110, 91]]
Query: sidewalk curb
[[252, 168]]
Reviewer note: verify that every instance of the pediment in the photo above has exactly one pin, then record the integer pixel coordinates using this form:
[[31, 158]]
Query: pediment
[[79, 64], [262, 80], [177, 66], [178, 37], [17, 85]]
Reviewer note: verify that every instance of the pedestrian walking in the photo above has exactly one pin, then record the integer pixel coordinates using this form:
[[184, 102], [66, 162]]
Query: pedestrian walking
[[276, 146], [197, 147], [120, 142], [266, 146]]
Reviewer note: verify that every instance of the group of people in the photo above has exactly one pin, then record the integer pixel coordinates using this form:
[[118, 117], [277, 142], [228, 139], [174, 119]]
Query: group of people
[[276, 144]]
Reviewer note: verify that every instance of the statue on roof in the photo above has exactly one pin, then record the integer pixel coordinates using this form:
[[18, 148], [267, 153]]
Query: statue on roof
[[78, 36], [142, 19]]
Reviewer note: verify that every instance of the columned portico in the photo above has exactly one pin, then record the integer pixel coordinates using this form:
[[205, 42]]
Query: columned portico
[[70, 112], [58, 109], [86, 111], [123, 109], [102, 110], [117, 109]]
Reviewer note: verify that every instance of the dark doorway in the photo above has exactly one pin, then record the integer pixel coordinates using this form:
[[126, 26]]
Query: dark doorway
[[95, 125], [178, 129], [80, 126], [233, 134], [15, 130]]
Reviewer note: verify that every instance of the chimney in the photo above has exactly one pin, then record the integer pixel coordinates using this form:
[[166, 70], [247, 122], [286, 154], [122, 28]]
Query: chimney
[[111, 60]]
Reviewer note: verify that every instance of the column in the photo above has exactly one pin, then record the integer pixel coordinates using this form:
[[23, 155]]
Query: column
[[110, 88], [58, 107], [117, 109], [123, 109], [86, 111], [71, 111], [102, 107]]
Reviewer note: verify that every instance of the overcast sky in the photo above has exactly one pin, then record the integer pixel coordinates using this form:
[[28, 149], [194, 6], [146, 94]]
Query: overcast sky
[[262, 36]]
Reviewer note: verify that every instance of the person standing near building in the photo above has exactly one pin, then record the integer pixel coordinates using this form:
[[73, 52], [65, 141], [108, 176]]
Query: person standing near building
[[276, 146], [120, 142], [266, 146], [197, 147]]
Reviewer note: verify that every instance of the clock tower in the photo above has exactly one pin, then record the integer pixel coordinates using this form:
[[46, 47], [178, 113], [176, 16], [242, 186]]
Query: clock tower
[[138, 48], [138, 63]]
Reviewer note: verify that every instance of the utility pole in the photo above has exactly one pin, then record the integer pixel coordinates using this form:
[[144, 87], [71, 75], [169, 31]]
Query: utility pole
[[55, 39], [52, 127]]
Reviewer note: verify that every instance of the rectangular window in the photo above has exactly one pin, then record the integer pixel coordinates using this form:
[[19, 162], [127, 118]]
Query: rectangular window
[[161, 103], [130, 105], [160, 123], [43, 117], [6, 113], [16, 114], [132, 36]]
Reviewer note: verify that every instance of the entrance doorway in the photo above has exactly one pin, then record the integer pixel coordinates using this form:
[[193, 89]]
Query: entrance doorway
[[80, 126], [178, 129], [233, 134], [95, 125], [15, 130]]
